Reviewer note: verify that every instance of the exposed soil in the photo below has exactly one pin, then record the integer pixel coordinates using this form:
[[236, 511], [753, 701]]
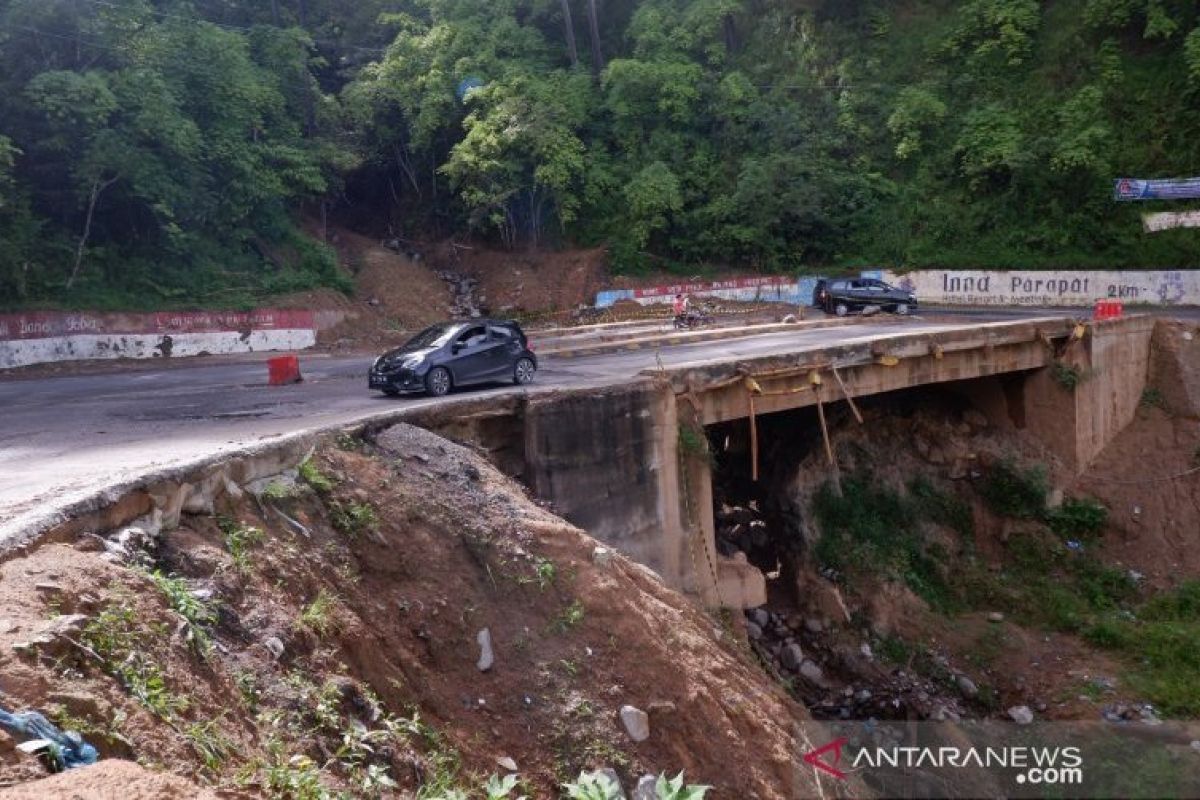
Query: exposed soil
[[879, 643], [346, 609]]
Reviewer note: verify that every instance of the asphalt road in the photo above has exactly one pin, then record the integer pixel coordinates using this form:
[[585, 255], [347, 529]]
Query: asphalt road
[[65, 437]]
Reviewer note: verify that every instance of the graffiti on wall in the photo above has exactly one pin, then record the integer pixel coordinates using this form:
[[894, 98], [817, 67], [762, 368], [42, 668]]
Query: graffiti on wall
[[1057, 288]]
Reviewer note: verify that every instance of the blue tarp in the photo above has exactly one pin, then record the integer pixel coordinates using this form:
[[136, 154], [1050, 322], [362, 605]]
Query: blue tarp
[[71, 749]]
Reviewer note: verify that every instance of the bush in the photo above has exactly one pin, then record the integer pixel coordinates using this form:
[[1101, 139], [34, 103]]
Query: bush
[[1014, 491], [1077, 519]]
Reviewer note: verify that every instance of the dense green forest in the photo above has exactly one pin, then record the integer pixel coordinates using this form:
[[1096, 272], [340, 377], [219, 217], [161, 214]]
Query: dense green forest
[[168, 151]]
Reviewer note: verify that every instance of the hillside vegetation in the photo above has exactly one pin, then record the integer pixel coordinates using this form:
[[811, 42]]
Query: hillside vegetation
[[165, 152]]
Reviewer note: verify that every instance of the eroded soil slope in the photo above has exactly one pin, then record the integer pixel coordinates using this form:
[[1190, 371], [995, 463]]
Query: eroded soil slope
[[325, 633]]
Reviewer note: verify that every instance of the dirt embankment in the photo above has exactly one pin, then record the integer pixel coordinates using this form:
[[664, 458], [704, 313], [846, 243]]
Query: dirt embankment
[[326, 633], [963, 572]]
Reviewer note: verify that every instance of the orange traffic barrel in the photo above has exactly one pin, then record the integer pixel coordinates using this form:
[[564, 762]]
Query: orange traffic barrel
[[283, 370]]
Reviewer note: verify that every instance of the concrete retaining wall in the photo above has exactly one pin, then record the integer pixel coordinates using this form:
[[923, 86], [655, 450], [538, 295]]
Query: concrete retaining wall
[[1051, 288], [770, 289], [42, 337]]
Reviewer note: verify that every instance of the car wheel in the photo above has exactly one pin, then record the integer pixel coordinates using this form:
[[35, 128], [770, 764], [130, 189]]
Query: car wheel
[[841, 309], [524, 371], [437, 382]]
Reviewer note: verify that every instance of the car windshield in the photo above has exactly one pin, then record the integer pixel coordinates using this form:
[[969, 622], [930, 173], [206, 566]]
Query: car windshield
[[434, 336]]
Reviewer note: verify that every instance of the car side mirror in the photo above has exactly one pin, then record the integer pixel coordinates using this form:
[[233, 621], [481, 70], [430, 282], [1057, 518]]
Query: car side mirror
[[456, 348]]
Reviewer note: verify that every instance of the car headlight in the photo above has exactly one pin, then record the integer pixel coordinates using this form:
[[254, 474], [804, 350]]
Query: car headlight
[[412, 362]]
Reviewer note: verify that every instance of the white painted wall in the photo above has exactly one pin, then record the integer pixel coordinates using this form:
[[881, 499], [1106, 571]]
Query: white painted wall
[[23, 352], [1050, 288]]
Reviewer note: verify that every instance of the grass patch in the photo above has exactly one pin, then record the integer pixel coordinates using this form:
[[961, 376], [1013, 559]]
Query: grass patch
[[1162, 640], [123, 648], [874, 528], [1015, 491], [1080, 518], [1067, 376], [198, 614], [311, 474], [569, 618], [353, 519], [319, 616], [1154, 397], [240, 540]]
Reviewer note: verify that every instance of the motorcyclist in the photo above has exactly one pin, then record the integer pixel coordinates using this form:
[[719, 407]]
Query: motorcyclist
[[680, 309]]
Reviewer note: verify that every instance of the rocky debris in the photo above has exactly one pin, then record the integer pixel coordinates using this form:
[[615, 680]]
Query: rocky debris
[[995, 616], [507, 764], [646, 788], [636, 722], [602, 556], [1131, 712], [486, 656], [132, 545], [792, 657], [463, 302], [274, 646], [967, 686], [759, 616], [753, 631], [56, 637], [1022, 715], [743, 529]]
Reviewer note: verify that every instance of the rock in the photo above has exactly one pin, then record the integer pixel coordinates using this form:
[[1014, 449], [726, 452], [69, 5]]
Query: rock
[[759, 616], [967, 686], [8, 626], [995, 616], [863, 695], [612, 775], [975, 419], [1022, 715], [48, 588], [7, 745], [486, 656], [813, 625], [811, 671], [661, 708], [646, 786], [602, 556], [866, 651], [1055, 499], [636, 722], [274, 646], [792, 656], [753, 632], [507, 764]]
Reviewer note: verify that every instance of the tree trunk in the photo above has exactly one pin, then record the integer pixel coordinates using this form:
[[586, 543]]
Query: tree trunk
[[98, 188], [594, 28], [569, 26]]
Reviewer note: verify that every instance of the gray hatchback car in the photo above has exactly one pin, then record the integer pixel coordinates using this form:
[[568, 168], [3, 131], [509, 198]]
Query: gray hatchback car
[[454, 354]]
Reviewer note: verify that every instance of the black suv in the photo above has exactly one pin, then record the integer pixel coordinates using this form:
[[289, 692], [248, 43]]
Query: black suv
[[453, 354], [844, 295]]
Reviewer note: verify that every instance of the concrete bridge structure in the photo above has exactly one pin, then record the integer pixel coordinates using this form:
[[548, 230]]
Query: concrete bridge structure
[[621, 461]]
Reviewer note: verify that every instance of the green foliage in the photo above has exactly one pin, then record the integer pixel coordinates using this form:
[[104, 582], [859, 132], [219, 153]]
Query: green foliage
[[241, 539], [198, 614], [1015, 491], [320, 616], [569, 618], [353, 519], [122, 643], [311, 474], [592, 786], [1077, 518], [674, 789], [1068, 376], [1162, 642], [871, 527]]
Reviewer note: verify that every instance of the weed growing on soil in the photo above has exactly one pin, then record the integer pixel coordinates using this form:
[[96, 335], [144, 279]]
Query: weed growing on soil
[[1068, 376], [210, 743], [319, 615], [278, 490], [570, 617], [1163, 640], [353, 519], [1154, 397], [239, 540], [942, 507], [544, 574], [1015, 491], [198, 614], [874, 527], [593, 786], [1077, 519], [311, 474], [694, 444], [122, 646]]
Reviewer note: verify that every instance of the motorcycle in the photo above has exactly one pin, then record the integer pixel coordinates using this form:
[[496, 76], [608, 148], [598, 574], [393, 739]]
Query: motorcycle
[[693, 318]]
